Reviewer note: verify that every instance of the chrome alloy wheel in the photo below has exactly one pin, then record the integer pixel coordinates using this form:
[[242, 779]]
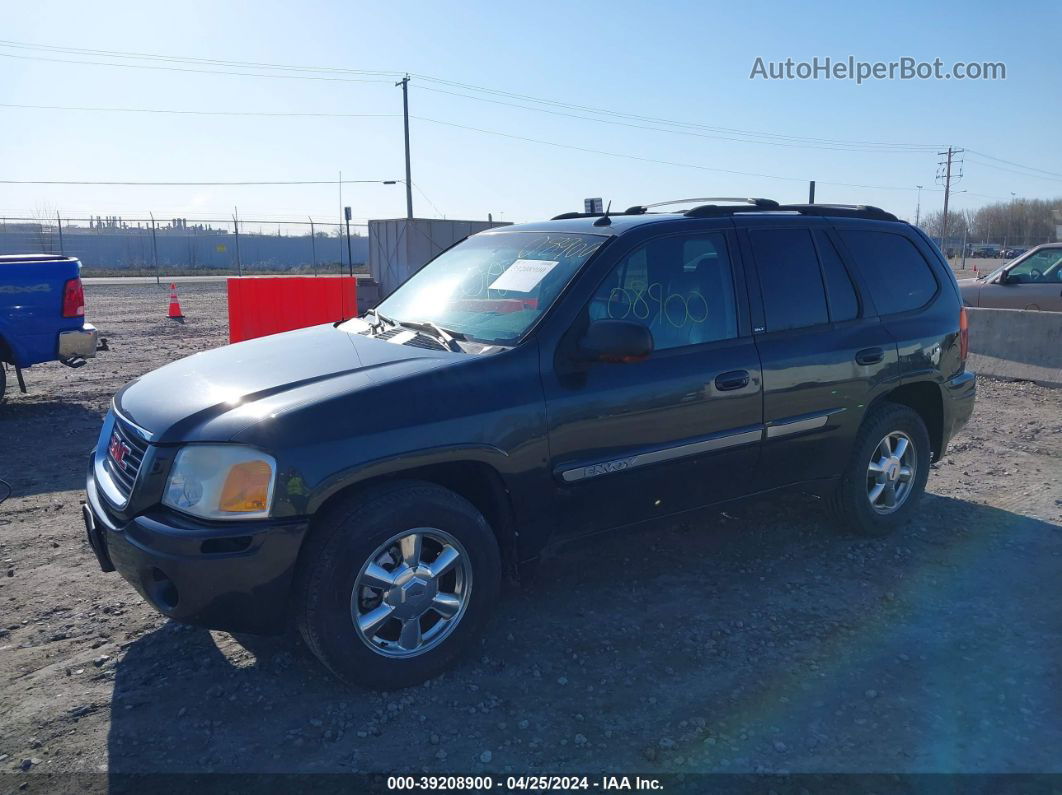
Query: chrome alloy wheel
[[891, 474], [411, 593]]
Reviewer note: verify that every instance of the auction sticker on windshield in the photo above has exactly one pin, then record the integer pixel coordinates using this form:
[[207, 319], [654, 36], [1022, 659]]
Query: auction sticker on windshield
[[523, 275]]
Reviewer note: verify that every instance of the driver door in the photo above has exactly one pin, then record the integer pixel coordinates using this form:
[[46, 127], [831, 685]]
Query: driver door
[[681, 429]]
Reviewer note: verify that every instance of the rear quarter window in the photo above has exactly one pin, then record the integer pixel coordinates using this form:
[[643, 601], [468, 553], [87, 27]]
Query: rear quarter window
[[898, 276]]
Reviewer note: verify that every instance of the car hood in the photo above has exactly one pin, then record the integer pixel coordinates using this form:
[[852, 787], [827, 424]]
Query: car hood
[[212, 396]]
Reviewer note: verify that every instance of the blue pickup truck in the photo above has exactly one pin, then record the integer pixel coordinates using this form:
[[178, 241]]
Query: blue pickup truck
[[42, 314]]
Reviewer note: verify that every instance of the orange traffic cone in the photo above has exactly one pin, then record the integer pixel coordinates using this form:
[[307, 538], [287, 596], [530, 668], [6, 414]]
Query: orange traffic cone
[[175, 305]]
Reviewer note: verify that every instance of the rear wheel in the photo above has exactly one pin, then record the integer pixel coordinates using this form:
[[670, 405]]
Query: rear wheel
[[395, 583], [887, 473]]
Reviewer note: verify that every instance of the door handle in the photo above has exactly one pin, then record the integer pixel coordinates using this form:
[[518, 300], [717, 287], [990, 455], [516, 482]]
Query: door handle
[[735, 379], [870, 356]]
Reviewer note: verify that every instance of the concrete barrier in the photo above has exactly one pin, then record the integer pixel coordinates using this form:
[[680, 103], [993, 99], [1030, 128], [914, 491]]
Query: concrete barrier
[[1016, 343]]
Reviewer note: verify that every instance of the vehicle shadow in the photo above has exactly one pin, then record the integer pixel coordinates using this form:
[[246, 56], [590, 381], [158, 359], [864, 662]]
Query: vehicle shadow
[[71, 429], [758, 639]]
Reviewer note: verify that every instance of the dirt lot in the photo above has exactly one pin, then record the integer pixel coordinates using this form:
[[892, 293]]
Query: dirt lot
[[755, 639]]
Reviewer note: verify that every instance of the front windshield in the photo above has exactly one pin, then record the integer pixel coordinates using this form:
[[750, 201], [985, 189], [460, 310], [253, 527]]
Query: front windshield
[[494, 286]]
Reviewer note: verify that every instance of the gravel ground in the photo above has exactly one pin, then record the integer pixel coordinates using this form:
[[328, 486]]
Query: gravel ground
[[755, 639]]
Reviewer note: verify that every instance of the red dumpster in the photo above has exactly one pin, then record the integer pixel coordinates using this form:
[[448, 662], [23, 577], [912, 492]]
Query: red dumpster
[[270, 304]]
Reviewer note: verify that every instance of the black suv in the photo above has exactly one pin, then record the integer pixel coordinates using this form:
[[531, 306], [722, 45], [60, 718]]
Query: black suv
[[370, 481]]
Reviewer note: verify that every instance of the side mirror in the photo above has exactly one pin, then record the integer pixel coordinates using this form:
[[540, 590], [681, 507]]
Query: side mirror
[[616, 341]]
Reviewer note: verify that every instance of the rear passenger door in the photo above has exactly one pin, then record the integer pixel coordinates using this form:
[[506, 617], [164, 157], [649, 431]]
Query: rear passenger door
[[824, 353]]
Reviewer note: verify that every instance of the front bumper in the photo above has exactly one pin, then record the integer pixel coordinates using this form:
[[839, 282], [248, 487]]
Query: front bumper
[[79, 343], [235, 577]]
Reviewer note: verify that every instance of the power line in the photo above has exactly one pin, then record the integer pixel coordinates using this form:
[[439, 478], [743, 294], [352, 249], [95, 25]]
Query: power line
[[1012, 163], [844, 147], [448, 124], [441, 81], [550, 106], [650, 159], [373, 115], [278, 114], [189, 59], [1013, 171], [196, 184], [199, 71]]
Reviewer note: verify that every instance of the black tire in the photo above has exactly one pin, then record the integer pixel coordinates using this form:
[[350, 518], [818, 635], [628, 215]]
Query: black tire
[[341, 544], [849, 504]]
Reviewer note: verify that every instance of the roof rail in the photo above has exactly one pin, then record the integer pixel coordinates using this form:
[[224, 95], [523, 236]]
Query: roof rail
[[842, 211], [753, 205], [639, 209]]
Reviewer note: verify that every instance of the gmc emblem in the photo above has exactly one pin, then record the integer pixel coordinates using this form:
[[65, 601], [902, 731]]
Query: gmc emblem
[[118, 450]]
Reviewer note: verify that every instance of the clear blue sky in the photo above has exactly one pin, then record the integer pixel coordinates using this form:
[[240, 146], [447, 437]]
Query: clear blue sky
[[682, 61]]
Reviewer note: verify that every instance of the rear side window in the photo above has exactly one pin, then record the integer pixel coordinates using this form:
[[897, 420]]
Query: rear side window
[[898, 276], [793, 296], [843, 302]]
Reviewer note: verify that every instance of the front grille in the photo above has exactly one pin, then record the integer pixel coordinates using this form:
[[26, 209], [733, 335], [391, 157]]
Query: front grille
[[124, 447]]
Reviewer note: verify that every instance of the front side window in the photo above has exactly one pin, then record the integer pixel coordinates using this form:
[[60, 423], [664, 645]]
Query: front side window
[[1043, 266], [494, 286], [680, 287], [790, 280]]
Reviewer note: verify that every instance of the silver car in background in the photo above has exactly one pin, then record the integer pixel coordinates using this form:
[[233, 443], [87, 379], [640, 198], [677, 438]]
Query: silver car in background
[[1033, 281]]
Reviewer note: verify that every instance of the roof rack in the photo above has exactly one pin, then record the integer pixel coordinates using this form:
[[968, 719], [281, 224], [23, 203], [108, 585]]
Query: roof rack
[[752, 205], [638, 209], [867, 211]]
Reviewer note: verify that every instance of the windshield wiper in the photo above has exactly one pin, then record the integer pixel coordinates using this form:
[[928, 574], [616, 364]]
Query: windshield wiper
[[446, 337]]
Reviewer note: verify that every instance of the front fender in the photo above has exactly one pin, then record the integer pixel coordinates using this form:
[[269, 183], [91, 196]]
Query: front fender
[[492, 456]]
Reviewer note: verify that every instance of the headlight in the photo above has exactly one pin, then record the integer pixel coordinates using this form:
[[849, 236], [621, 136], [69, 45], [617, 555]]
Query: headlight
[[221, 481]]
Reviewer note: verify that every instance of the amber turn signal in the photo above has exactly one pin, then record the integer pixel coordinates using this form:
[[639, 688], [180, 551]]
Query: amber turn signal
[[246, 487]]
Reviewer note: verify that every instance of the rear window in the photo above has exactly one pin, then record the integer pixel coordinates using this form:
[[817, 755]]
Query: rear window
[[898, 276], [793, 296]]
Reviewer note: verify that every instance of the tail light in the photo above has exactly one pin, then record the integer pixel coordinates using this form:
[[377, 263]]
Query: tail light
[[964, 334], [74, 299]]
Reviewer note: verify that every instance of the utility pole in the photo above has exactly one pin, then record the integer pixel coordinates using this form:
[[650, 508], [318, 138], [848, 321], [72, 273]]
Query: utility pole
[[811, 192], [404, 82], [313, 244], [59, 221], [918, 207], [950, 170], [155, 248]]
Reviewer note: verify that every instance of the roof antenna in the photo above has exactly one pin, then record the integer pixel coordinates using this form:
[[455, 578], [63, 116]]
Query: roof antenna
[[604, 220]]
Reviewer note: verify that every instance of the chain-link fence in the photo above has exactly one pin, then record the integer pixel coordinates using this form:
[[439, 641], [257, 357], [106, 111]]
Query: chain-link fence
[[109, 245]]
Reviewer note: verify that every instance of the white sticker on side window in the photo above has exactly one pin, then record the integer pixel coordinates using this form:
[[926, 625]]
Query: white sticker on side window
[[523, 275]]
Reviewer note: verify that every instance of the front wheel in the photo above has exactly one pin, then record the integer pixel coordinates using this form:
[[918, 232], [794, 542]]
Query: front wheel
[[395, 583], [887, 473]]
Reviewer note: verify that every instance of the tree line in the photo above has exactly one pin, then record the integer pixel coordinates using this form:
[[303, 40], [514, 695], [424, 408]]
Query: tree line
[[1021, 222]]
